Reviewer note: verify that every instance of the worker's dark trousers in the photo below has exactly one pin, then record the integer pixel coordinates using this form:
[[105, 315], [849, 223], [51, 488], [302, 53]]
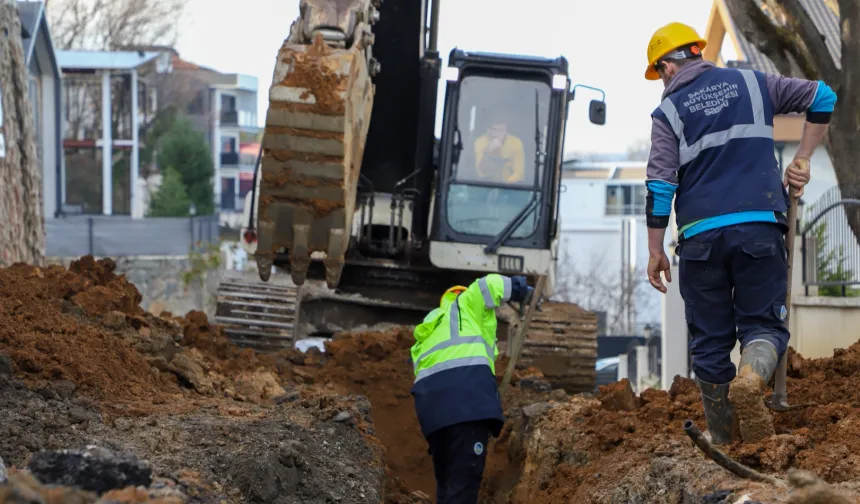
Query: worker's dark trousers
[[459, 452], [733, 281]]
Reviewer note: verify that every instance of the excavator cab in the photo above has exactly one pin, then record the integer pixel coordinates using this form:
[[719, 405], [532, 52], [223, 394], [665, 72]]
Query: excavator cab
[[497, 193]]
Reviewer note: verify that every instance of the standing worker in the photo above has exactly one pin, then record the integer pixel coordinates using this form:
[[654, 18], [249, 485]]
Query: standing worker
[[712, 148], [456, 396]]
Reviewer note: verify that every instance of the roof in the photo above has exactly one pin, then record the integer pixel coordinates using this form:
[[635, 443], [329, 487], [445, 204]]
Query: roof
[[30, 14], [104, 60], [632, 171], [33, 22], [825, 19], [218, 79]]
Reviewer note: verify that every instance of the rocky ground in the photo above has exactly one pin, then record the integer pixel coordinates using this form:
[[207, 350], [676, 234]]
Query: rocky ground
[[102, 402]]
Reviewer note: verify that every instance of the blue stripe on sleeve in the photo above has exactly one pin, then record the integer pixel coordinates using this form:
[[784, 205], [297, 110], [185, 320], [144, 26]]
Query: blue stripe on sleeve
[[663, 193], [825, 99]]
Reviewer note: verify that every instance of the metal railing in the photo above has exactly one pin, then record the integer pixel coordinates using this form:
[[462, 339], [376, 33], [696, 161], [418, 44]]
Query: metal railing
[[229, 158], [118, 236], [230, 117], [829, 246]]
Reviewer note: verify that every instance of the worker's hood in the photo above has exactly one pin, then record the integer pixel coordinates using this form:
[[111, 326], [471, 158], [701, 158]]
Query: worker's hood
[[431, 321], [687, 74]]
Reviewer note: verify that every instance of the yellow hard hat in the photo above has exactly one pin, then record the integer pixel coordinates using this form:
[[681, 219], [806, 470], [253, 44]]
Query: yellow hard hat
[[668, 38], [455, 289]]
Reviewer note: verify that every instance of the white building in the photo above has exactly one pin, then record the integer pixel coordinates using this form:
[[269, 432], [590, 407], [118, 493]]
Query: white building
[[604, 244], [45, 86]]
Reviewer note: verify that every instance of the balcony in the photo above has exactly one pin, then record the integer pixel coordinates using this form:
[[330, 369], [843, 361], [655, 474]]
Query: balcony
[[230, 118], [229, 159], [228, 201]]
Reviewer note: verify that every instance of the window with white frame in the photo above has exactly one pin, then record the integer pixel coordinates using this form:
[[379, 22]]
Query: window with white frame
[[625, 199]]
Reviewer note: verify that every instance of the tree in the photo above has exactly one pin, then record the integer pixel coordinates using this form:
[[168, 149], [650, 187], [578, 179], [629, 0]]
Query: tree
[[114, 24], [185, 149], [787, 34], [597, 288], [22, 228], [171, 199]]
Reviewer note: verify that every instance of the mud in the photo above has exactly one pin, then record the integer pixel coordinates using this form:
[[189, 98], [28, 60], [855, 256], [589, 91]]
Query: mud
[[217, 424], [755, 421], [308, 70], [617, 447]]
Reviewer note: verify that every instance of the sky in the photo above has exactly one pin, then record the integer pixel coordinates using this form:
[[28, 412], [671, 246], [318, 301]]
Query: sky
[[604, 41]]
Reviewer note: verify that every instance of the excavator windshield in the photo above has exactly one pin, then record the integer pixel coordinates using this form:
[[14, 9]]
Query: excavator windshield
[[500, 144]]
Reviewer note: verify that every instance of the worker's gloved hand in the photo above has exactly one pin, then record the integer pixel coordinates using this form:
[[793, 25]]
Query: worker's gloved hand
[[519, 288]]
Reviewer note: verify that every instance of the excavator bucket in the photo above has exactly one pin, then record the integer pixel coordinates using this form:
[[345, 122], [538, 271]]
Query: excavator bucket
[[320, 103]]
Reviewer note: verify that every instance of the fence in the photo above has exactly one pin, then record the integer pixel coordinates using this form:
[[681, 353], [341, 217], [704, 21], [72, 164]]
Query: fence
[[829, 247], [117, 236]]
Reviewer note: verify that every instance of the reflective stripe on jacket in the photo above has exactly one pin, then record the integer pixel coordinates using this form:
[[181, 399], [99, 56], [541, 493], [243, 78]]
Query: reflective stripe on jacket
[[462, 331], [723, 123]]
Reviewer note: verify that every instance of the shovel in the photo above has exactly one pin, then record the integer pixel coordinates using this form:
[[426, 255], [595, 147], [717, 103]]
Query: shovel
[[778, 401]]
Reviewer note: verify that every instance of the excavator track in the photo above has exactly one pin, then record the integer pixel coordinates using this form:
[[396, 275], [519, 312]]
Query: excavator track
[[257, 315], [320, 104], [562, 342]]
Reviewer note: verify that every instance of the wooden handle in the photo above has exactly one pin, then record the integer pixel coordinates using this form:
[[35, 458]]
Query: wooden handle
[[520, 338]]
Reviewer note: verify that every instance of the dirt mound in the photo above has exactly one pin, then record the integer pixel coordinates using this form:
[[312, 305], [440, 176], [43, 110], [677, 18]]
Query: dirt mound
[[81, 364], [47, 328], [84, 326], [620, 447]]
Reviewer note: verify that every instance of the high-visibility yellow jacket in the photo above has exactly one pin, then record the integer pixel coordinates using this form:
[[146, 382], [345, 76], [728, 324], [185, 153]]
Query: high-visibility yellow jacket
[[454, 355], [508, 165]]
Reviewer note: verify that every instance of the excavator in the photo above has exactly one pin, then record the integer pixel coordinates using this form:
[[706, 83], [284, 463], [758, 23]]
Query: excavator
[[372, 216]]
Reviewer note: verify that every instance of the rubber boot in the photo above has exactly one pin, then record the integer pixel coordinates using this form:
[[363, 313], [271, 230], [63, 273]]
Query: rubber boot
[[719, 413], [746, 393]]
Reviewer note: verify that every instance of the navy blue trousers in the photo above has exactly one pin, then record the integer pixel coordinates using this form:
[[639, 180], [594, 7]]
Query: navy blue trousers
[[733, 281], [459, 453]]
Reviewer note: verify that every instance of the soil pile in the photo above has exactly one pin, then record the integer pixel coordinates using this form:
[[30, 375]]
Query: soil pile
[[618, 447], [81, 364]]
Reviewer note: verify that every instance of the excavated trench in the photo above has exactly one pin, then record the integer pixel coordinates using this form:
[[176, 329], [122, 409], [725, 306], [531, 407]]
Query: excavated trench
[[81, 364]]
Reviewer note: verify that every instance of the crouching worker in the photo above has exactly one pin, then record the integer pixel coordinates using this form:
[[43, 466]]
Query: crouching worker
[[456, 396]]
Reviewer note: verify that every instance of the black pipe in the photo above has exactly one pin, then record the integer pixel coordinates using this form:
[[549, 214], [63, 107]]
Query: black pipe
[[724, 461]]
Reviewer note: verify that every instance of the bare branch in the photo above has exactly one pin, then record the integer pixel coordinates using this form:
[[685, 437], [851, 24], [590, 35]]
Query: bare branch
[[758, 28], [810, 48], [114, 24]]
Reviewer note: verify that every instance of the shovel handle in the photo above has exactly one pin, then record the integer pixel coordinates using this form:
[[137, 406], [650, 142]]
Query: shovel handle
[[780, 375]]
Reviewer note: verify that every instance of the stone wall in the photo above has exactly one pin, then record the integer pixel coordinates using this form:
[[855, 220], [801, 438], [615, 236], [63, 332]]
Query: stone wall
[[160, 281]]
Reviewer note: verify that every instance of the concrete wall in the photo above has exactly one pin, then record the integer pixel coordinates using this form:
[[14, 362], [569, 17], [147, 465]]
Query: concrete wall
[[159, 280], [819, 325]]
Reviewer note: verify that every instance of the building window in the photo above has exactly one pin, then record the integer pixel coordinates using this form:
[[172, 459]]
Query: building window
[[228, 103], [228, 144], [625, 199]]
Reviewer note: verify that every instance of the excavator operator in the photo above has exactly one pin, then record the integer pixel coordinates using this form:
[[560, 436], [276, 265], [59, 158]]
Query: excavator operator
[[456, 396], [499, 156]]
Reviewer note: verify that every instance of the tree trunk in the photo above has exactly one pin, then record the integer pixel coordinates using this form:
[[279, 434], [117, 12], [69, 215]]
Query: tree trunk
[[797, 49], [22, 227]]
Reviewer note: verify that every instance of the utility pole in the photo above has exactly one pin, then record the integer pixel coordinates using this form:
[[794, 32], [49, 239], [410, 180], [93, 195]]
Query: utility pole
[[22, 226]]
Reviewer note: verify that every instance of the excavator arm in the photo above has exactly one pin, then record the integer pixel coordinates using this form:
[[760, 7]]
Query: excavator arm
[[320, 103]]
